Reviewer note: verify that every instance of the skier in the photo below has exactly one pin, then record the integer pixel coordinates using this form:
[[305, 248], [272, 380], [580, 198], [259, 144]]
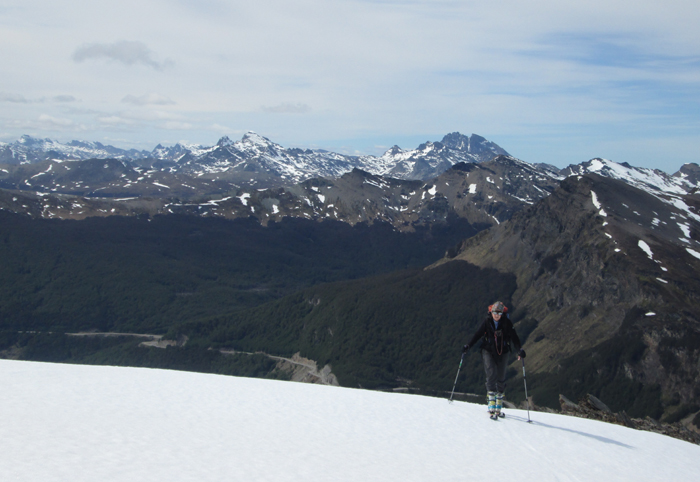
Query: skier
[[496, 334]]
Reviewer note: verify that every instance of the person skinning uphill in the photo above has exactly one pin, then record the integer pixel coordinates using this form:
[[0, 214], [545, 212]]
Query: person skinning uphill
[[496, 334]]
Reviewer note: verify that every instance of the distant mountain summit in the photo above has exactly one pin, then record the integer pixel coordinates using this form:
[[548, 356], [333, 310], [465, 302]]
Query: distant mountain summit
[[475, 145], [433, 158]]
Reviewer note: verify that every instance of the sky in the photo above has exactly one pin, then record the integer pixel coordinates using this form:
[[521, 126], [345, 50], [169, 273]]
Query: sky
[[78, 423], [555, 81]]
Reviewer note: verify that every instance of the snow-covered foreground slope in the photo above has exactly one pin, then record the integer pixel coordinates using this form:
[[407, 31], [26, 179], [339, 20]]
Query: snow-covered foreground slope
[[84, 423]]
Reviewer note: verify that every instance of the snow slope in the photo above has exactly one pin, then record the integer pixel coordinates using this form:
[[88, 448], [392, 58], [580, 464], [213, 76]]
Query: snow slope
[[85, 423]]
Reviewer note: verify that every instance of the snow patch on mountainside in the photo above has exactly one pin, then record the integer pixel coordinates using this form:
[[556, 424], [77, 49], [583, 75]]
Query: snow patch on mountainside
[[597, 204], [645, 247]]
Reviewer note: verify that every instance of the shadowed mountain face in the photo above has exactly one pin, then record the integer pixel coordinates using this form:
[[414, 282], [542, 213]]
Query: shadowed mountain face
[[604, 269]]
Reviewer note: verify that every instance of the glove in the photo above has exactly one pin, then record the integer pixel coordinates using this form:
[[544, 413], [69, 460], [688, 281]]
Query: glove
[[465, 348], [521, 353]]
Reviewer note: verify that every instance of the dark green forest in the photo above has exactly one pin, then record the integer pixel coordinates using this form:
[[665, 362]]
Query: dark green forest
[[144, 275], [400, 329]]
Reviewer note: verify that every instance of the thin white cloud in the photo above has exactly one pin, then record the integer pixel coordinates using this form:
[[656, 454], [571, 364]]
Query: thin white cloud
[[55, 121], [127, 52], [224, 130], [180, 126], [152, 115], [64, 98], [13, 98], [114, 120], [148, 99], [46, 122], [20, 99], [287, 108]]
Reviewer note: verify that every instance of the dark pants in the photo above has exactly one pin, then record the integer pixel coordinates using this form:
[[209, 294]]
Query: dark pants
[[495, 366]]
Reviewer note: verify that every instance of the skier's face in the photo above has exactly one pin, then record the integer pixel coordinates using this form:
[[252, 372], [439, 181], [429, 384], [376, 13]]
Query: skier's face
[[496, 315]]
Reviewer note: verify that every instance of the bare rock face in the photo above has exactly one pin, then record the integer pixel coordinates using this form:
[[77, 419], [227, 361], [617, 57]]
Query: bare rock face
[[306, 371]]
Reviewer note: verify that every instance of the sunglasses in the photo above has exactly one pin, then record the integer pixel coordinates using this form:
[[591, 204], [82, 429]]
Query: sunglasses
[[499, 313]]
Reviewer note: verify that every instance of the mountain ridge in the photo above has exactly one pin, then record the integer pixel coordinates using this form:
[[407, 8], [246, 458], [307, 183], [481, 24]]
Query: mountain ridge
[[602, 260], [255, 159]]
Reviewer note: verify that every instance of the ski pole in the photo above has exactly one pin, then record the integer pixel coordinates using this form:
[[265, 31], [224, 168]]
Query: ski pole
[[526, 398], [455, 385]]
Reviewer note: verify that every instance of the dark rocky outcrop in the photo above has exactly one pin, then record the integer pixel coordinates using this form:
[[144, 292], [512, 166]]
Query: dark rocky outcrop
[[592, 408]]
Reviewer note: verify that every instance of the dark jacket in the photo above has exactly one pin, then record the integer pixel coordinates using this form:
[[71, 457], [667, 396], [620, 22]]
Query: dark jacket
[[496, 342]]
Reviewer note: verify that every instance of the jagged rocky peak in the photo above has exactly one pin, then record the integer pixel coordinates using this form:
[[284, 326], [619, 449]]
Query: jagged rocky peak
[[225, 141], [455, 140], [255, 138], [690, 172], [474, 144], [86, 144], [33, 142], [428, 146]]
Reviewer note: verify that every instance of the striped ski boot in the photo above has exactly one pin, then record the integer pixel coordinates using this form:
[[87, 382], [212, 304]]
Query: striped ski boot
[[492, 405], [499, 404]]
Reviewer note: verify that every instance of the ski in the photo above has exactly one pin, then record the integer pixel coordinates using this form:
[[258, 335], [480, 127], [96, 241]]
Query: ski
[[493, 416]]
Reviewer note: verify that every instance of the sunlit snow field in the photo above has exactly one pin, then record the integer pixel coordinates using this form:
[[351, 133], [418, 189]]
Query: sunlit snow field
[[83, 423]]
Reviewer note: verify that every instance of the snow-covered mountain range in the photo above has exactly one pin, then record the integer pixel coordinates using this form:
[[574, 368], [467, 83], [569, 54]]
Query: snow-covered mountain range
[[255, 160], [28, 149], [483, 193]]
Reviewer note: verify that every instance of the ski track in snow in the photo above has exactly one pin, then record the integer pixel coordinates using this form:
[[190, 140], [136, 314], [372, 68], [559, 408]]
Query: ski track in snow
[[84, 423]]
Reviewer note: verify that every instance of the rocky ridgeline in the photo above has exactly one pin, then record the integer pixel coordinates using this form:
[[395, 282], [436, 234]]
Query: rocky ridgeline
[[592, 408]]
